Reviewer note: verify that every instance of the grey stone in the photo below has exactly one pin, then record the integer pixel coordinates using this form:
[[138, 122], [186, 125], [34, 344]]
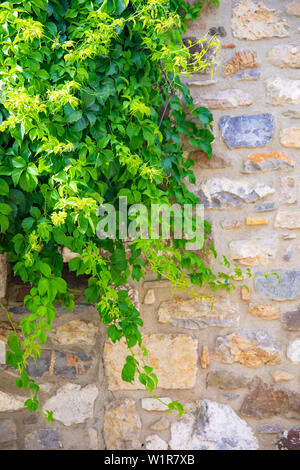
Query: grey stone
[[212, 426], [221, 192], [42, 439], [288, 288], [248, 74], [225, 380], [67, 365], [247, 131], [291, 320], [262, 161], [269, 428], [221, 99], [72, 403], [9, 402], [8, 430], [265, 207]]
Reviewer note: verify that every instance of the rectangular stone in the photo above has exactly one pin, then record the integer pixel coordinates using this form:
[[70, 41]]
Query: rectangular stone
[[3, 275], [8, 430], [247, 131], [288, 219], [257, 221], [2, 352], [290, 137], [200, 313], [254, 251], [268, 286], [173, 358]]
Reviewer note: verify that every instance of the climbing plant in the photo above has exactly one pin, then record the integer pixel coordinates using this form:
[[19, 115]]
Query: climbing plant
[[93, 108]]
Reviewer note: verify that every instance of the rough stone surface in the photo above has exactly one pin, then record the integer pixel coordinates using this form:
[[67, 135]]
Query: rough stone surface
[[149, 298], [231, 224], [245, 294], [225, 380], [252, 348], [254, 21], [290, 439], [265, 401], [216, 161], [151, 404], [3, 275], [60, 363], [281, 376], [221, 192], [200, 313], [43, 439], [287, 289], [293, 351], [154, 442], [9, 402], [205, 358], [285, 55], [212, 426], [294, 9], [174, 358], [288, 219], [257, 221], [283, 91], [289, 190], [8, 430], [2, 352], [222, 99], [262, 161], [76, 332], [253, 252], [269, 428], [241, 60], [265, 207], [266, 312], [247, 131], [290, 137], [291, 320], [122, 425], [248, 74], [160, 425], [72, 403]]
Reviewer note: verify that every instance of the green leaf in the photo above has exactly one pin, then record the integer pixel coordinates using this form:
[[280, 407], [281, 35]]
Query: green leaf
[[4, 188]]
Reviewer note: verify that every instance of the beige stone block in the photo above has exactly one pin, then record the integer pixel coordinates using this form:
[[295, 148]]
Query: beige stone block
[[173, 358], [122, 426], [290, 137], [281, 376], [266, 312]]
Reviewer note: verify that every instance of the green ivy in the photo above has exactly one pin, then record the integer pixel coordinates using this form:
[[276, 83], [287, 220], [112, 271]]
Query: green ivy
[[91, 110]]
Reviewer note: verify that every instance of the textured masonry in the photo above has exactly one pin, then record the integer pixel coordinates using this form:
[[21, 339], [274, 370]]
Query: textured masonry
[[233, 360]]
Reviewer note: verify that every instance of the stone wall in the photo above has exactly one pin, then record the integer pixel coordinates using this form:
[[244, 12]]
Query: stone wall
[[235, 367]]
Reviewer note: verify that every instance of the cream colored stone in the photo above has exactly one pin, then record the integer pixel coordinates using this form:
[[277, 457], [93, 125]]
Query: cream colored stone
[[122, 426], [254, 21], [281, 376], [255, 251], [201, 313], [221, 99], [9, 402], [290, 137], [282, 90], [151, 404], [174, 359], [288, 219], [68, 254], [289, 190], [160, 425], [76, 332], [294, 8], [293, 351], [285, 55], [92, 439], [154, 442], [149, 297], [245, 294], [266, 312], [72, 403]]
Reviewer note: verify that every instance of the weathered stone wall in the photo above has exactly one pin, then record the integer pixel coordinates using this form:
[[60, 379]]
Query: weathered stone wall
[[236, 367]]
